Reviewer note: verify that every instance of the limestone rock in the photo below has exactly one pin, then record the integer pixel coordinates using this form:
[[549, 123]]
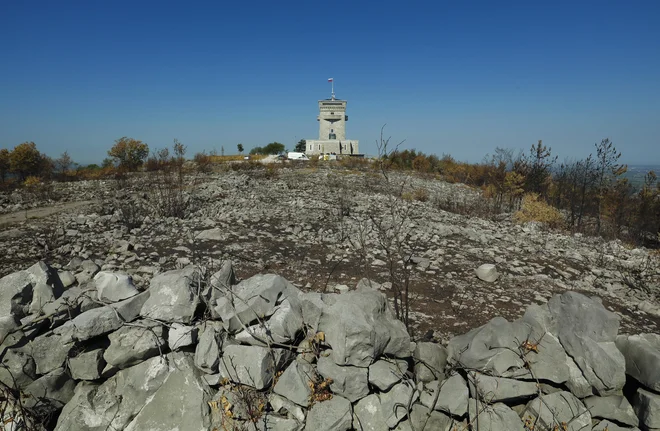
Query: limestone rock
[[293, 384], [99, 321], [453, 396], [252, 365], [87, 365], [614, 407], [497, 417], [173, 297], [282, 327], [49, 352], [114, 403], [642, 355], [647, 407], [606, 425], [360, 327], [394, 402], [42, 294], [114, 286], [384, 374], [487, 272], [250, 300], [498, 389], [430, 361], [181, 335], [49, 393], [587, 331], [131, 345], [283, 406], [207, 352], [181, 402], [335, 414], [368, 414], [18, 368], [424, 419], [547, 411], [15, 293], [350, 382]]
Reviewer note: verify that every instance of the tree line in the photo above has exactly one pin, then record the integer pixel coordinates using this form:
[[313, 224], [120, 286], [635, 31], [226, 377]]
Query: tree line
[[594, 194]]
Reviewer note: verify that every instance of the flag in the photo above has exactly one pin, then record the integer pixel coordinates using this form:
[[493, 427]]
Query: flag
[[330, 79]]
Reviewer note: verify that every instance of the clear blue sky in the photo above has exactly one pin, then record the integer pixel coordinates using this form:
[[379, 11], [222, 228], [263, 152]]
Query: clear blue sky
[[448, 77]]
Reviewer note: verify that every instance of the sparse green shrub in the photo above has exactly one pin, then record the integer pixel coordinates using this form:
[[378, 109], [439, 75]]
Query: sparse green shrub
[[533, 209]]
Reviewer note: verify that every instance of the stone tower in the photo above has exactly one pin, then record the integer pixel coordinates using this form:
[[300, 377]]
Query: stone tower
[[332, 120]]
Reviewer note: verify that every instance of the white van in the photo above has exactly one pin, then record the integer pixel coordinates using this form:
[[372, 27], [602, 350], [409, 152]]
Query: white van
[[297, 156]]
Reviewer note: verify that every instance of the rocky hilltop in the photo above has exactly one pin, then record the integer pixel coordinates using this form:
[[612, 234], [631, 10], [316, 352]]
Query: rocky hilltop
[[135, 319]]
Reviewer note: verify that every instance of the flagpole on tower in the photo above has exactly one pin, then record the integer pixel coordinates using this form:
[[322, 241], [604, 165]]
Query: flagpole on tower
[[332, 81]]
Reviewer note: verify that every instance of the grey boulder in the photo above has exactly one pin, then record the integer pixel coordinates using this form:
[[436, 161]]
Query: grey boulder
[[207, 351], [453, 396], [430, 361], [642, 355], [385, 373], [114, 286], [174, 296], [252, 365], [647, 407], [548, 411], [497, 417], [102, 320], [360, 327], [499, 389], [251, 300], [350, 382], [614, 407], [131, 345], [294, 383], [87, 365], [335, 414]]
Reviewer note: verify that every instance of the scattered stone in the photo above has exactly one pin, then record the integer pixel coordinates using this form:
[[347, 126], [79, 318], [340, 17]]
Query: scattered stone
[[487, 272]]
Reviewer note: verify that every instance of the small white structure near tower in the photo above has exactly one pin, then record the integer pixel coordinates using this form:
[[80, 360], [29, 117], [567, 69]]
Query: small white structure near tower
[[332, 129]]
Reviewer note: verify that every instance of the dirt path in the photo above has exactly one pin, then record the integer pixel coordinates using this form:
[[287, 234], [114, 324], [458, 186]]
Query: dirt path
[[41, 212]]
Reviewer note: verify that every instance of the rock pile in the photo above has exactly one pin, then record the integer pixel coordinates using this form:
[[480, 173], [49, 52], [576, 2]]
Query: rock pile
[[195, 351]]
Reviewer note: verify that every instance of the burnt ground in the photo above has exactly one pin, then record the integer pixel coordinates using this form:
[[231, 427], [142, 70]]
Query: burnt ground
[[315, 228]]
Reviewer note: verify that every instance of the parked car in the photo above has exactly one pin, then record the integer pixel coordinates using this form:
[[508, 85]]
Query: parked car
[[297, 156]]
